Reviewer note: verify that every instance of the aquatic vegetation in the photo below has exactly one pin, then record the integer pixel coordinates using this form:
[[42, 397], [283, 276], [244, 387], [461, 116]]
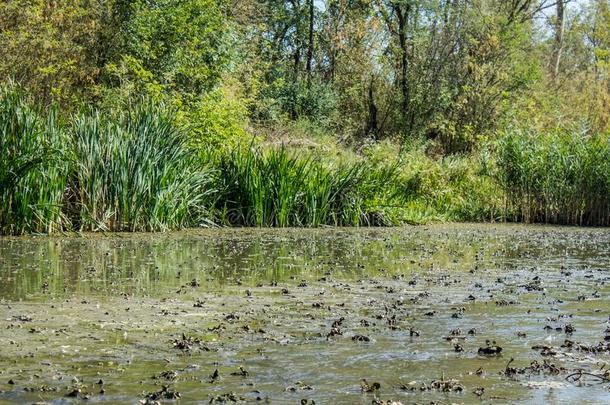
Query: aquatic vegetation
[[137, 173], [454, 188], [559, 177], [137, 170], [117, 304], [130, 172], [165, 393], [277, 187], [33, 165]]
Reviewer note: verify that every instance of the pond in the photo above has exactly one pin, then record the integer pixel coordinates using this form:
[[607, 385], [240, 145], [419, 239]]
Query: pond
[[443, 313]]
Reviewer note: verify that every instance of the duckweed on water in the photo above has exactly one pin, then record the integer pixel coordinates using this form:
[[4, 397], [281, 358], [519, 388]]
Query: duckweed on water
[[114, 309]]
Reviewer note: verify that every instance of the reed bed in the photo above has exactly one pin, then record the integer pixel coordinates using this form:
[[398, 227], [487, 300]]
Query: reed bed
[[277, 187], [133, 172], [33, 166], [137, 174], [561, 177]]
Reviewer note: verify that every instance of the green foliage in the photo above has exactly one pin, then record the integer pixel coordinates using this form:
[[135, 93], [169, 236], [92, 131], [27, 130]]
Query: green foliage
[[217, 121], [277, 188], [389, 110], [33, 166], [558, 177], [298, 99], [137, 174], [50, 48], [131, 172], [173, 46], [455, 188]]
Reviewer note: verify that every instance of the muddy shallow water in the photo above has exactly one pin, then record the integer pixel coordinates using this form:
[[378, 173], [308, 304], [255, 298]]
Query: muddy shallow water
[[295, 316]]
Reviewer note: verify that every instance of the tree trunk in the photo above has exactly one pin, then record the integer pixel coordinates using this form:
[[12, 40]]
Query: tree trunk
[[559, 33], [334, 29], [372, 126], [311, 42], [402, 15], [296, 4]]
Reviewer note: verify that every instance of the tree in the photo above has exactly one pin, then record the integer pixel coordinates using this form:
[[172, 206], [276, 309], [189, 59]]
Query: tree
[[559, 32], [168, 46], [50, 46]]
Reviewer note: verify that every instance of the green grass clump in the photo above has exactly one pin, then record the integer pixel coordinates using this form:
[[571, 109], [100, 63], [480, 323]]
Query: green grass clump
[[137, 174], [452, 188], [131, 172], [560, 177], [276, 187], [33, 166]]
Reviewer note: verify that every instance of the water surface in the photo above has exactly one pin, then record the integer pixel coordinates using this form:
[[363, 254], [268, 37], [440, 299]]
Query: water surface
[[307, 314]]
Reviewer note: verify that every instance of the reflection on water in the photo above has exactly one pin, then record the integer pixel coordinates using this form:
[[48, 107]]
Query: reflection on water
[[148, 264], [110, 306]]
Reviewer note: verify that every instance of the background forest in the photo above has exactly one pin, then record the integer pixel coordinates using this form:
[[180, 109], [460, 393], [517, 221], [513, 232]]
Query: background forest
[[149, 115]]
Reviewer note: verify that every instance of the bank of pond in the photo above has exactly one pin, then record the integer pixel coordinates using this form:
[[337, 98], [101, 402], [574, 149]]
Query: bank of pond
[[140, 170]]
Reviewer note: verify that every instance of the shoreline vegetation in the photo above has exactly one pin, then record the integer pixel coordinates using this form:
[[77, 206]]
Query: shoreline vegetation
[[136, 171], [129, 116]]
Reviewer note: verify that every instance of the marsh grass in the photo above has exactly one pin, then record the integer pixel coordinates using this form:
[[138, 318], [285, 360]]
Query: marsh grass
[[33, 166], [457, 188], [137, 174], [278, 187], [133, 172], [561, 177]]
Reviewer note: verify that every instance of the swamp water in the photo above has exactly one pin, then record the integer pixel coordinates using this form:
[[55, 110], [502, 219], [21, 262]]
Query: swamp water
[[295, 316]]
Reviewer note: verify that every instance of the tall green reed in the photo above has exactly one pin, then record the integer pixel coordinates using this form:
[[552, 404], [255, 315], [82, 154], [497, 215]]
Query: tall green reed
[[561, 177], [137, 173], [33, 165], [277, 187]]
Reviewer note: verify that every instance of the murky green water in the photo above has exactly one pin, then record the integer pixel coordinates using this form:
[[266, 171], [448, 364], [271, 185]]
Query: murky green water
[[77, 312]]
